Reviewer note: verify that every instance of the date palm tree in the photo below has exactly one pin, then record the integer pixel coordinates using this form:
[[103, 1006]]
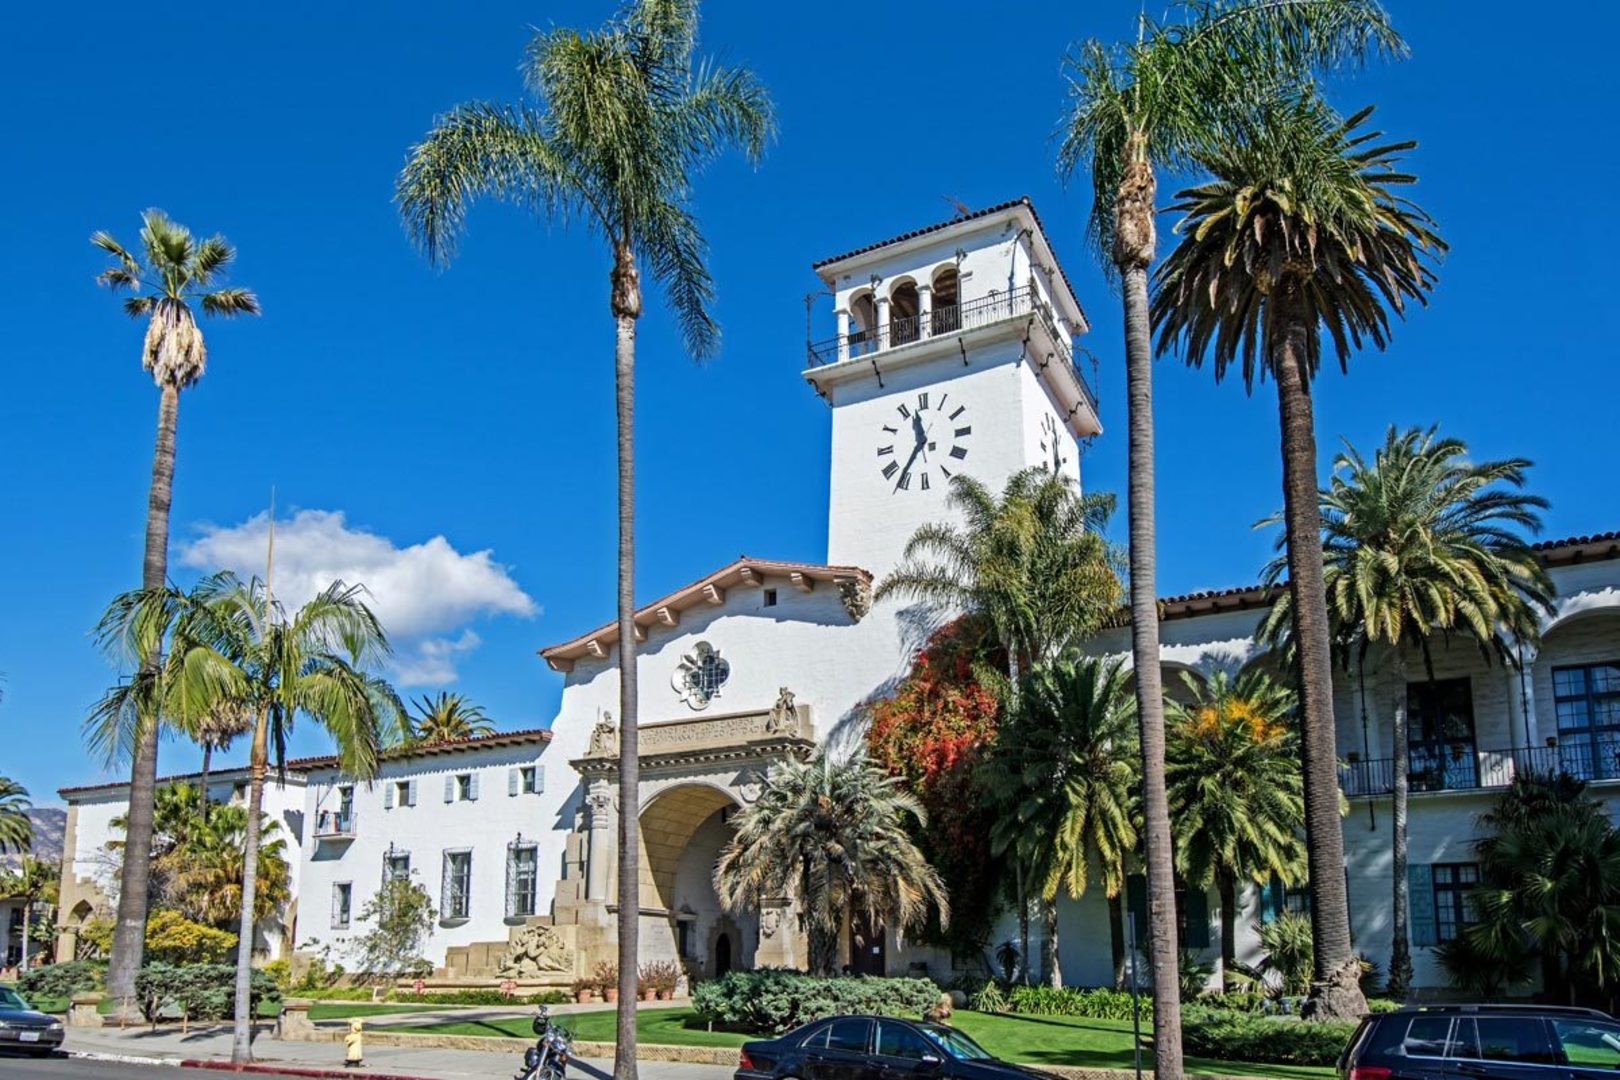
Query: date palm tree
[[1156, 101], [232, 643], [624, 121], [1236, 794], [1301, 234], [174, 273], [1062, 776], [832, 833], [16, 828], [446, 718], [1032, 561], [1421, 541]]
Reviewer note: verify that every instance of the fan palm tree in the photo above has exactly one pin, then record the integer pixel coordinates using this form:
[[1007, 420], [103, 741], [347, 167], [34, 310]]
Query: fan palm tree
[[174, 272], [1161, 100], [1301, 233], [624, 121], [206, 876], [1236, 795], [1421, 541], [33, 881], [16, 828], [831, 833], [446, 718], [233, 644], [1062, 774], [215, 732], [1032, 561]]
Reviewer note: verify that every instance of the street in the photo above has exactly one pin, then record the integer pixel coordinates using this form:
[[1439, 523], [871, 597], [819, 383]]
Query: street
[[62, 1067]]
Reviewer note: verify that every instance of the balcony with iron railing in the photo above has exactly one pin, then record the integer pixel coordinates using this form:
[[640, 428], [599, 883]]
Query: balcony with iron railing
[[951, 319], [334, 825], [1462, 766]]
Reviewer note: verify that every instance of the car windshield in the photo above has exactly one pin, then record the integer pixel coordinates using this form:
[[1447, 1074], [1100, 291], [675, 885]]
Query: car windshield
[[10, 1000], [958, 1045]]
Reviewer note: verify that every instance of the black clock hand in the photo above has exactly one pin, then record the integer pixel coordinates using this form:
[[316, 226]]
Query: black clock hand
[[906, 470]]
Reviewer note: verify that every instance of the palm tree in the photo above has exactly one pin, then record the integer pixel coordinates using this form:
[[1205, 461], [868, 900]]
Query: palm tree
[[215, 732], [624, 122], [1300, 233], [1160, 100], [832, 834], [1061, 773], [1420, 541], [175, 271], [207, 879], [447, 718], [1235, 791], [232, 643], [16, 828], [34, 881], [1032, 561]]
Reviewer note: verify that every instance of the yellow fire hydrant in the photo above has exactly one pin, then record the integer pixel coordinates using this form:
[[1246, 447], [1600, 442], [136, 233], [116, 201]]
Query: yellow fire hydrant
[[354, 1045]]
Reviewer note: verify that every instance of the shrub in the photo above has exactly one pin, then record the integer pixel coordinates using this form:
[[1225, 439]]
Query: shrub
[[606, 975], [171, 938], [1234, 1036], [196, 991], [776, 999], [1286, 941], [481, 997], [280, 972], [1098, 1003], [60, 980], [989, 999], [659, 976]]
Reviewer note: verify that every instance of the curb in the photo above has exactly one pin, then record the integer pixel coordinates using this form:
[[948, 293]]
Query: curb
[[293, 1070], [121, 1059]]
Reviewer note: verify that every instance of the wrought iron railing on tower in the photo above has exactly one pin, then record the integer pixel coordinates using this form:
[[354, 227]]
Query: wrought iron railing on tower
[[997, 307]]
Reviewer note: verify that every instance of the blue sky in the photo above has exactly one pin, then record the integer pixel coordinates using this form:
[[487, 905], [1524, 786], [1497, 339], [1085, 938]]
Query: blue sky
[[457, 426]]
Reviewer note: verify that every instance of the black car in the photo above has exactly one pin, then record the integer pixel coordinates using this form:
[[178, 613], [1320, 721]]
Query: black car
[[21, 1028], [873, 1048], [1484, 1042]]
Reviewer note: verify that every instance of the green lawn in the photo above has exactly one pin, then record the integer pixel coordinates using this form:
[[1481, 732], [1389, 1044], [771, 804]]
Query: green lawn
[[1033, 1040], [344, 1010]]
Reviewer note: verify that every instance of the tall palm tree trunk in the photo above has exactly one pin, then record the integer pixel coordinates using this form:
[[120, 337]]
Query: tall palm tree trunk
[[1226, 890], [1051, 967], [1133, 253], [1023, 914], [1335, 989], [134, 878], [1400, 953], [202, 784], [242, 1034], [28, 911], [626, 310], [1116, 937]]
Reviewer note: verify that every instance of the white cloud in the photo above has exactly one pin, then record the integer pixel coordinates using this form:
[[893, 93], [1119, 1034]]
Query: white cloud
[[422, 594]]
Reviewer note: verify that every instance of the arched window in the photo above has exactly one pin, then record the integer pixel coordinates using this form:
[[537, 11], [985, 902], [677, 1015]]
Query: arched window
[[904, 304], [863, 323], [947, 301]]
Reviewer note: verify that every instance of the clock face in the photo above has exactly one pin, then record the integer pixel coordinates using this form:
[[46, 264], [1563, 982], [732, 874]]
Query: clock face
[[924, 443], [1052, 442]]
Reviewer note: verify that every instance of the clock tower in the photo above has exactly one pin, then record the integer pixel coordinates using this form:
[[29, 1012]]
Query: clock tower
[[954, 356]]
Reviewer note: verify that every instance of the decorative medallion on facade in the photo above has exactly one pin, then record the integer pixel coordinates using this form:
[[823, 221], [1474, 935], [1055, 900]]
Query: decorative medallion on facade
[[700, 675], [856, 595]]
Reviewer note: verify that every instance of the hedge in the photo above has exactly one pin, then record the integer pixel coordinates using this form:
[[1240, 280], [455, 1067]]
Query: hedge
[[196, 991], [772, 1000], [1235, 1036], [60, 980]]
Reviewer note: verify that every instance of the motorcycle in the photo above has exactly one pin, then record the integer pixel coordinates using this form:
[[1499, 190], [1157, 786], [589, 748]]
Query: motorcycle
[[547, 1059]]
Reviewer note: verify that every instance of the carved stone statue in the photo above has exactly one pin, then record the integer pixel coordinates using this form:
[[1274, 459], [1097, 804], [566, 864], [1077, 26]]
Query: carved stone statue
[[784, 718], [856, 596], [536, 950], [604, 737]]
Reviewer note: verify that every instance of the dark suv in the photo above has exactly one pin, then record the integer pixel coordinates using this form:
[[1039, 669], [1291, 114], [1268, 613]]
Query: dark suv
[[1490, 1042]]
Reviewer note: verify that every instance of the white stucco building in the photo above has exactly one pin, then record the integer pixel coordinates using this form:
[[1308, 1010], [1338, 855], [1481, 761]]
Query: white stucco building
[[954, 354]]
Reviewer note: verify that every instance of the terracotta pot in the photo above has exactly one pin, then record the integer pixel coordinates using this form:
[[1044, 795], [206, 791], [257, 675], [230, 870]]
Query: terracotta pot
[[611, 995], [666, 995], [584, 997], [649, 995]]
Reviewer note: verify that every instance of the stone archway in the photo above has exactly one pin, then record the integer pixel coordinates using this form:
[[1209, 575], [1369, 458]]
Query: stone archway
[[683, 829]]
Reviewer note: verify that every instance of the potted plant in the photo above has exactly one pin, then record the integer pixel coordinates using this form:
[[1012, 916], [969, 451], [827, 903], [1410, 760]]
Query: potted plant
[[585, 990], [644, 986], [659, 977], [607, 980]]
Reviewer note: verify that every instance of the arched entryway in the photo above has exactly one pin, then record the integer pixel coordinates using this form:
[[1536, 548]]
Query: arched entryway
[[683, 829]]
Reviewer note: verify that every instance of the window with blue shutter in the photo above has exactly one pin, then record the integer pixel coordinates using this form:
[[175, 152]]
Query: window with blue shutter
[[1192, 913], [472, 787], [512, 781], [388, 796], [1420, 904], [1271, 899], [449, 789]]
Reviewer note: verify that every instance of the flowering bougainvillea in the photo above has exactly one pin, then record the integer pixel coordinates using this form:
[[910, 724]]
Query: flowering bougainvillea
[[934, 731]]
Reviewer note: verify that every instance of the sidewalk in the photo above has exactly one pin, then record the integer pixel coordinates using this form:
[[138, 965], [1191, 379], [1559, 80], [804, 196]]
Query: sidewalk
[[212, 1043]]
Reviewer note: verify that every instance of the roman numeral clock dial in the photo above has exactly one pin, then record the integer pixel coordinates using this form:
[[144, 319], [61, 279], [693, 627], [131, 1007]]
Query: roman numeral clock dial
[[924, 443]]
